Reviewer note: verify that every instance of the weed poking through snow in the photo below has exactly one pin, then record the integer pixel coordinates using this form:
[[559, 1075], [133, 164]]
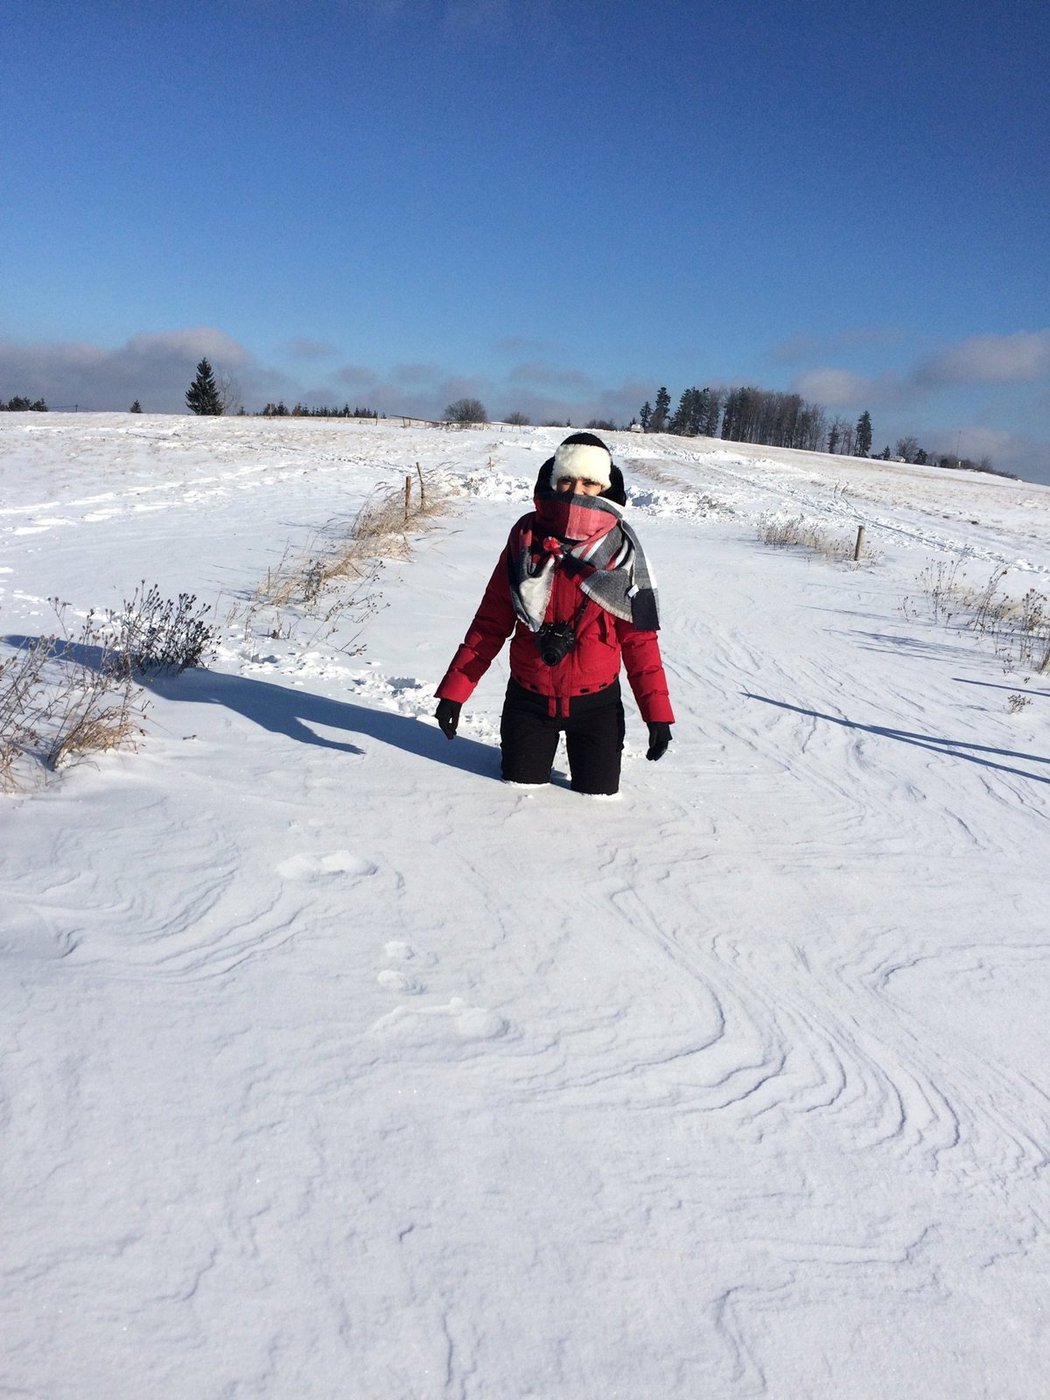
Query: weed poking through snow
[[63, 699], [339, 575], [1017, 629], [798, 533]]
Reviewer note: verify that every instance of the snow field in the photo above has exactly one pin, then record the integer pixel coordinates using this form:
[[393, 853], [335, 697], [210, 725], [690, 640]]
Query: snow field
[[335, 1067]]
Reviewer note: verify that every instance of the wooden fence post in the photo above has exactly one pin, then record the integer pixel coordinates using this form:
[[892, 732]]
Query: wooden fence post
[[860, 543], [408, 495]]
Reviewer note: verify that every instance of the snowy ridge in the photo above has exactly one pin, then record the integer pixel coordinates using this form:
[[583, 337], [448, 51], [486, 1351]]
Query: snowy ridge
[[335, 1067]]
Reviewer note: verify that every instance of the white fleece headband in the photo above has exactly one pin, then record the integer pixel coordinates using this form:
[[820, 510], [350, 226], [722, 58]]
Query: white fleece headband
[[583, 459]]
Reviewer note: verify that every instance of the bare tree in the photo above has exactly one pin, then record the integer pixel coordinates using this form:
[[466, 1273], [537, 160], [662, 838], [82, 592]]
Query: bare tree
[[467, 411], [229, 393]]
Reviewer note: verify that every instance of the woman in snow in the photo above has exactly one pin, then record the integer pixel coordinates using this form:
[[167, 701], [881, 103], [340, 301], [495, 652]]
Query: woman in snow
[[574, 588]]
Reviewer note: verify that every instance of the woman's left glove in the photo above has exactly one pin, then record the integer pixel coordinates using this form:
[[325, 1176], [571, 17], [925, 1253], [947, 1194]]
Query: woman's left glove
[[659, 738], [447, 716]]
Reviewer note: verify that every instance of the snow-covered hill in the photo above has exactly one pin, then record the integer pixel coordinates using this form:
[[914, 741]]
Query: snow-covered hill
[[335, 1068]]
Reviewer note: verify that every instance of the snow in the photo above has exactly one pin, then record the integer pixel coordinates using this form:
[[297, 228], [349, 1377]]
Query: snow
[[335, 1067]]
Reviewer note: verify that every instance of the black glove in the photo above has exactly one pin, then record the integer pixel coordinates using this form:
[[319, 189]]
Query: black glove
[[447, 715], [659, 738]]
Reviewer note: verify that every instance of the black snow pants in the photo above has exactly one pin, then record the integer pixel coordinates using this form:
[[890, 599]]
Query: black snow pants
[[594, 733]]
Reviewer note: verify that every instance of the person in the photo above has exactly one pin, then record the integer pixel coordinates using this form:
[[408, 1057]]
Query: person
[[575, 593]]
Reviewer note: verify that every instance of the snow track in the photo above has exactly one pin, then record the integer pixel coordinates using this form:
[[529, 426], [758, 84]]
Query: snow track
[[335, 1067]]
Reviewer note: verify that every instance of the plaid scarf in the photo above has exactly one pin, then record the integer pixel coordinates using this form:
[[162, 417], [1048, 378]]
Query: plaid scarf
[[590, 538]]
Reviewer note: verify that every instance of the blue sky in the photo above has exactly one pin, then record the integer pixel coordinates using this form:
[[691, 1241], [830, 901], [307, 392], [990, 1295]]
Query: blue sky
[[554, 205]]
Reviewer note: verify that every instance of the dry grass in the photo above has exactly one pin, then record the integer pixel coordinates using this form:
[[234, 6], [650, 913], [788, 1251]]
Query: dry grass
[[61, 701], [21, 714], [338, 576], [380, 530], [1018, 629], [64, 699], [96, 729], [798, 533], [640, 466]]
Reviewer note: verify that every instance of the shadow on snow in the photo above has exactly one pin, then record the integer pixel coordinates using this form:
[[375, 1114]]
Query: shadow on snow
[[955, 748], [284, 710]]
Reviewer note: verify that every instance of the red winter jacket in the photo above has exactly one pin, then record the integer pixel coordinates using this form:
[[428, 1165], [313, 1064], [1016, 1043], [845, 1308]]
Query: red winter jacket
[[602, 641]]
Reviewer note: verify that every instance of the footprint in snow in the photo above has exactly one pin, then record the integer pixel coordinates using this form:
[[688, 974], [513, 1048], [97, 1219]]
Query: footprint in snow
[[455, 1022], [308, 867], [400, 982], [397, 981]]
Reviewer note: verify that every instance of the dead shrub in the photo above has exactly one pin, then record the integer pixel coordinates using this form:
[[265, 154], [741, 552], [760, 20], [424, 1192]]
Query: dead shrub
[[93, 726], [62, 700], [1017, 629], [151, 634]]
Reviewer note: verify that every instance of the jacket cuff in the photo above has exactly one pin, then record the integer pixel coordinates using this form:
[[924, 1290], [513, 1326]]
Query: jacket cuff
[[455, 686], [658, 711]]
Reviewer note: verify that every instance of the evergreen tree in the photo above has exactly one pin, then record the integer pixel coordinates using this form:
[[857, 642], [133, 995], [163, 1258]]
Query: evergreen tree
[[680, 420], [690, 417], [658, 421], [645, 415], [863, 437], [202, 397], [136, 407], [701, 412]]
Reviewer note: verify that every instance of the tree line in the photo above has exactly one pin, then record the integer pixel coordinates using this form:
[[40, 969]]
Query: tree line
[[301, 410], [772, 418], [769, 417], [766, 417]]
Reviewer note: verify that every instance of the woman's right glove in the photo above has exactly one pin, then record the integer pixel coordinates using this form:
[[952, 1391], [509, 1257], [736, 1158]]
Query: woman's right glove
[[447, 716], [659, 738]]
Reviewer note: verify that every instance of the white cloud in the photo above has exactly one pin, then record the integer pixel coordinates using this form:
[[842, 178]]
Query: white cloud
[[796, 349], [518, 345], [152, 367], [801, 347], [356, 377], [1022, 358], [463, 386], [834, 388], [552, 376], [303, 348], [416, 375]]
